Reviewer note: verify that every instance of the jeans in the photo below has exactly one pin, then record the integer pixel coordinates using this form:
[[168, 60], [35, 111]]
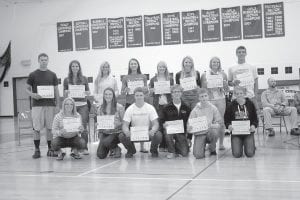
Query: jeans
[[84, 112], [74, 142], [238, 142], [177, 143], [200, 141], [106, 143]]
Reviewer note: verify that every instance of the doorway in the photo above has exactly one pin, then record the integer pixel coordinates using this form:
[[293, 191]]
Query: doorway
[[22, 101]]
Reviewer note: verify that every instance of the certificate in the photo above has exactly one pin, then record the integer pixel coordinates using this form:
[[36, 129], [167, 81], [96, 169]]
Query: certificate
[[71, 124], [188, 83], [46, 91], [214, 81], [139, 133], [134, 84], [245, 78], [162, 87], [77, 91], [174, 127], [106, 122], [199, 124], [241, 127]]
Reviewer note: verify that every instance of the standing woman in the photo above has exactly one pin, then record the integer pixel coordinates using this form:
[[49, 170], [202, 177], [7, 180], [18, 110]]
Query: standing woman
[[75, 77], [104, 80], [109, 138], [189, 96], [134, 74], [240, 109], [216, 92], [160, 100]]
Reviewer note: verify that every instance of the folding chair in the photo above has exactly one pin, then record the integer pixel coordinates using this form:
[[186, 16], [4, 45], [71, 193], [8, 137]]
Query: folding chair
[[24, 123]]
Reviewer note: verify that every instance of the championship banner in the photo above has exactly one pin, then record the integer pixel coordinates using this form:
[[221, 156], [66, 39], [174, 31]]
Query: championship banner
[[190, 27], [5, 61], [116, 33], [171, 28], [82, 35], [252, 21], [231, 23], [152, 29], [274, 20], [64, 36], [211, 25], [98, 29], [134, 31]]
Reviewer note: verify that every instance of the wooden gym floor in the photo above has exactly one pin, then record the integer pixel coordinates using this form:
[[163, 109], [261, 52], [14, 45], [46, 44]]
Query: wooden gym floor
[[274, 173]]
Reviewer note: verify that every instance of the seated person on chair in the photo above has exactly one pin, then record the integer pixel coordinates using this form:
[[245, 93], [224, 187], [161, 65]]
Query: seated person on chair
[[211, 115], [110, 138], [141, 114], [297, 101], [242, 109], [176, 110], [275, 103], [65, 137]]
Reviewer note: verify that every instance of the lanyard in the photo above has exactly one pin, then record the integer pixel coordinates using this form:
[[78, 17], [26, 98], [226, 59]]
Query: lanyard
[[245, 111]]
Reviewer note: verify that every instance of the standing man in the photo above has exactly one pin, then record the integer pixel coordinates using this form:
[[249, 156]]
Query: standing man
[[244, 75], [42, 88], [141, 114], [274, 102], [177, 110]]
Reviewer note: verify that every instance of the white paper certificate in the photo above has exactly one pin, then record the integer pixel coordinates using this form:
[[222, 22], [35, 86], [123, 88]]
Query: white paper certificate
[[245, 78], [134, 84], [174, 127], [46, 91], [241, 127], [198, 124], [106, 122], [71, 124], [139, 133], [162, 87], [188, 83], [77, 91], [214, 81]]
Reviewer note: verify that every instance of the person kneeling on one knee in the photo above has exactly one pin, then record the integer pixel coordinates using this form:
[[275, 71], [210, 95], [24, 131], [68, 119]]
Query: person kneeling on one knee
[[242, 113], [65, 135], [204, 122]]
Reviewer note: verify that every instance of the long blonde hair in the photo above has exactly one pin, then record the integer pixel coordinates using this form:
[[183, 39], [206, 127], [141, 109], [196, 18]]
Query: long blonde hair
[[167, 76], [193, 72], [74, 110], [100, 73]]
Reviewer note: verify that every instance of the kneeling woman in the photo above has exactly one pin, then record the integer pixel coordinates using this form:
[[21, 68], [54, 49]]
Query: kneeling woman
[[65, 136], [109, 138], [241, 109]]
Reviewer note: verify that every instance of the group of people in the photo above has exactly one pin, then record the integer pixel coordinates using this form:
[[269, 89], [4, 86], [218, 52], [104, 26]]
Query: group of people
[[191, 106]]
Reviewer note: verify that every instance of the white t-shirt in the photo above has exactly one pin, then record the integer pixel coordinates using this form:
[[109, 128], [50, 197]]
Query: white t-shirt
[[244, 70], [140, 116]]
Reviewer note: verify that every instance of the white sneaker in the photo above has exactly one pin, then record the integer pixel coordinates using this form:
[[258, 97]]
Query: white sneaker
[[85, 152], [170, 155]]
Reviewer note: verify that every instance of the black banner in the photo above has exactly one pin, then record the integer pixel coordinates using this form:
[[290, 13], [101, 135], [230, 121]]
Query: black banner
[[231, 23], [64, 36], [252, 21], [152, 30], [116, 33], [134, 31], [171, 28], [82, 36], [210, 25], [191, 27], [274, 20], [98, 29]]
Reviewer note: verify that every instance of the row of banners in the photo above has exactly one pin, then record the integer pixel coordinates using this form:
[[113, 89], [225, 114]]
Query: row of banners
[[111, 32]]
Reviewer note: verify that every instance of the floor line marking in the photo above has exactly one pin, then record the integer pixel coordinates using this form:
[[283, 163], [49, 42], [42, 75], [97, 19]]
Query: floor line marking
[[103, 166], [194, 177]]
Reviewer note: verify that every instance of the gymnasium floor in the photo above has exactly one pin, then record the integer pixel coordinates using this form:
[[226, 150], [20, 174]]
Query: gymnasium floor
[[274, 173]]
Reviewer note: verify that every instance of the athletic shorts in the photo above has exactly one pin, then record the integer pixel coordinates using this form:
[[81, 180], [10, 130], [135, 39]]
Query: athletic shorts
[[42, 117]]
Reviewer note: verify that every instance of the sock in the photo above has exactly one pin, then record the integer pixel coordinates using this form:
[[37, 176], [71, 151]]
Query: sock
[[37, 144], [49, 144]]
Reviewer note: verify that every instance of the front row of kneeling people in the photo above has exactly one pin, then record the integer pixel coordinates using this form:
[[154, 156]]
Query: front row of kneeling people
[[141, 114]]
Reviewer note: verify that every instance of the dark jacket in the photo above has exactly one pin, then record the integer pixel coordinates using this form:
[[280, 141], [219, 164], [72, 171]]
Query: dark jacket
[[170, 113], [232, 113]]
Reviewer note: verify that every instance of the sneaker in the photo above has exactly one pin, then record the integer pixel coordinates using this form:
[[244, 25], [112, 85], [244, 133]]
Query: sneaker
[[75, 156], [270, 132], [85, 152], [61, 156], [295, 131], [37, 154], [213, 153], [221, 147], [128, 155], [171, 155], [51, 153], [117, 151], [144, 151]]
